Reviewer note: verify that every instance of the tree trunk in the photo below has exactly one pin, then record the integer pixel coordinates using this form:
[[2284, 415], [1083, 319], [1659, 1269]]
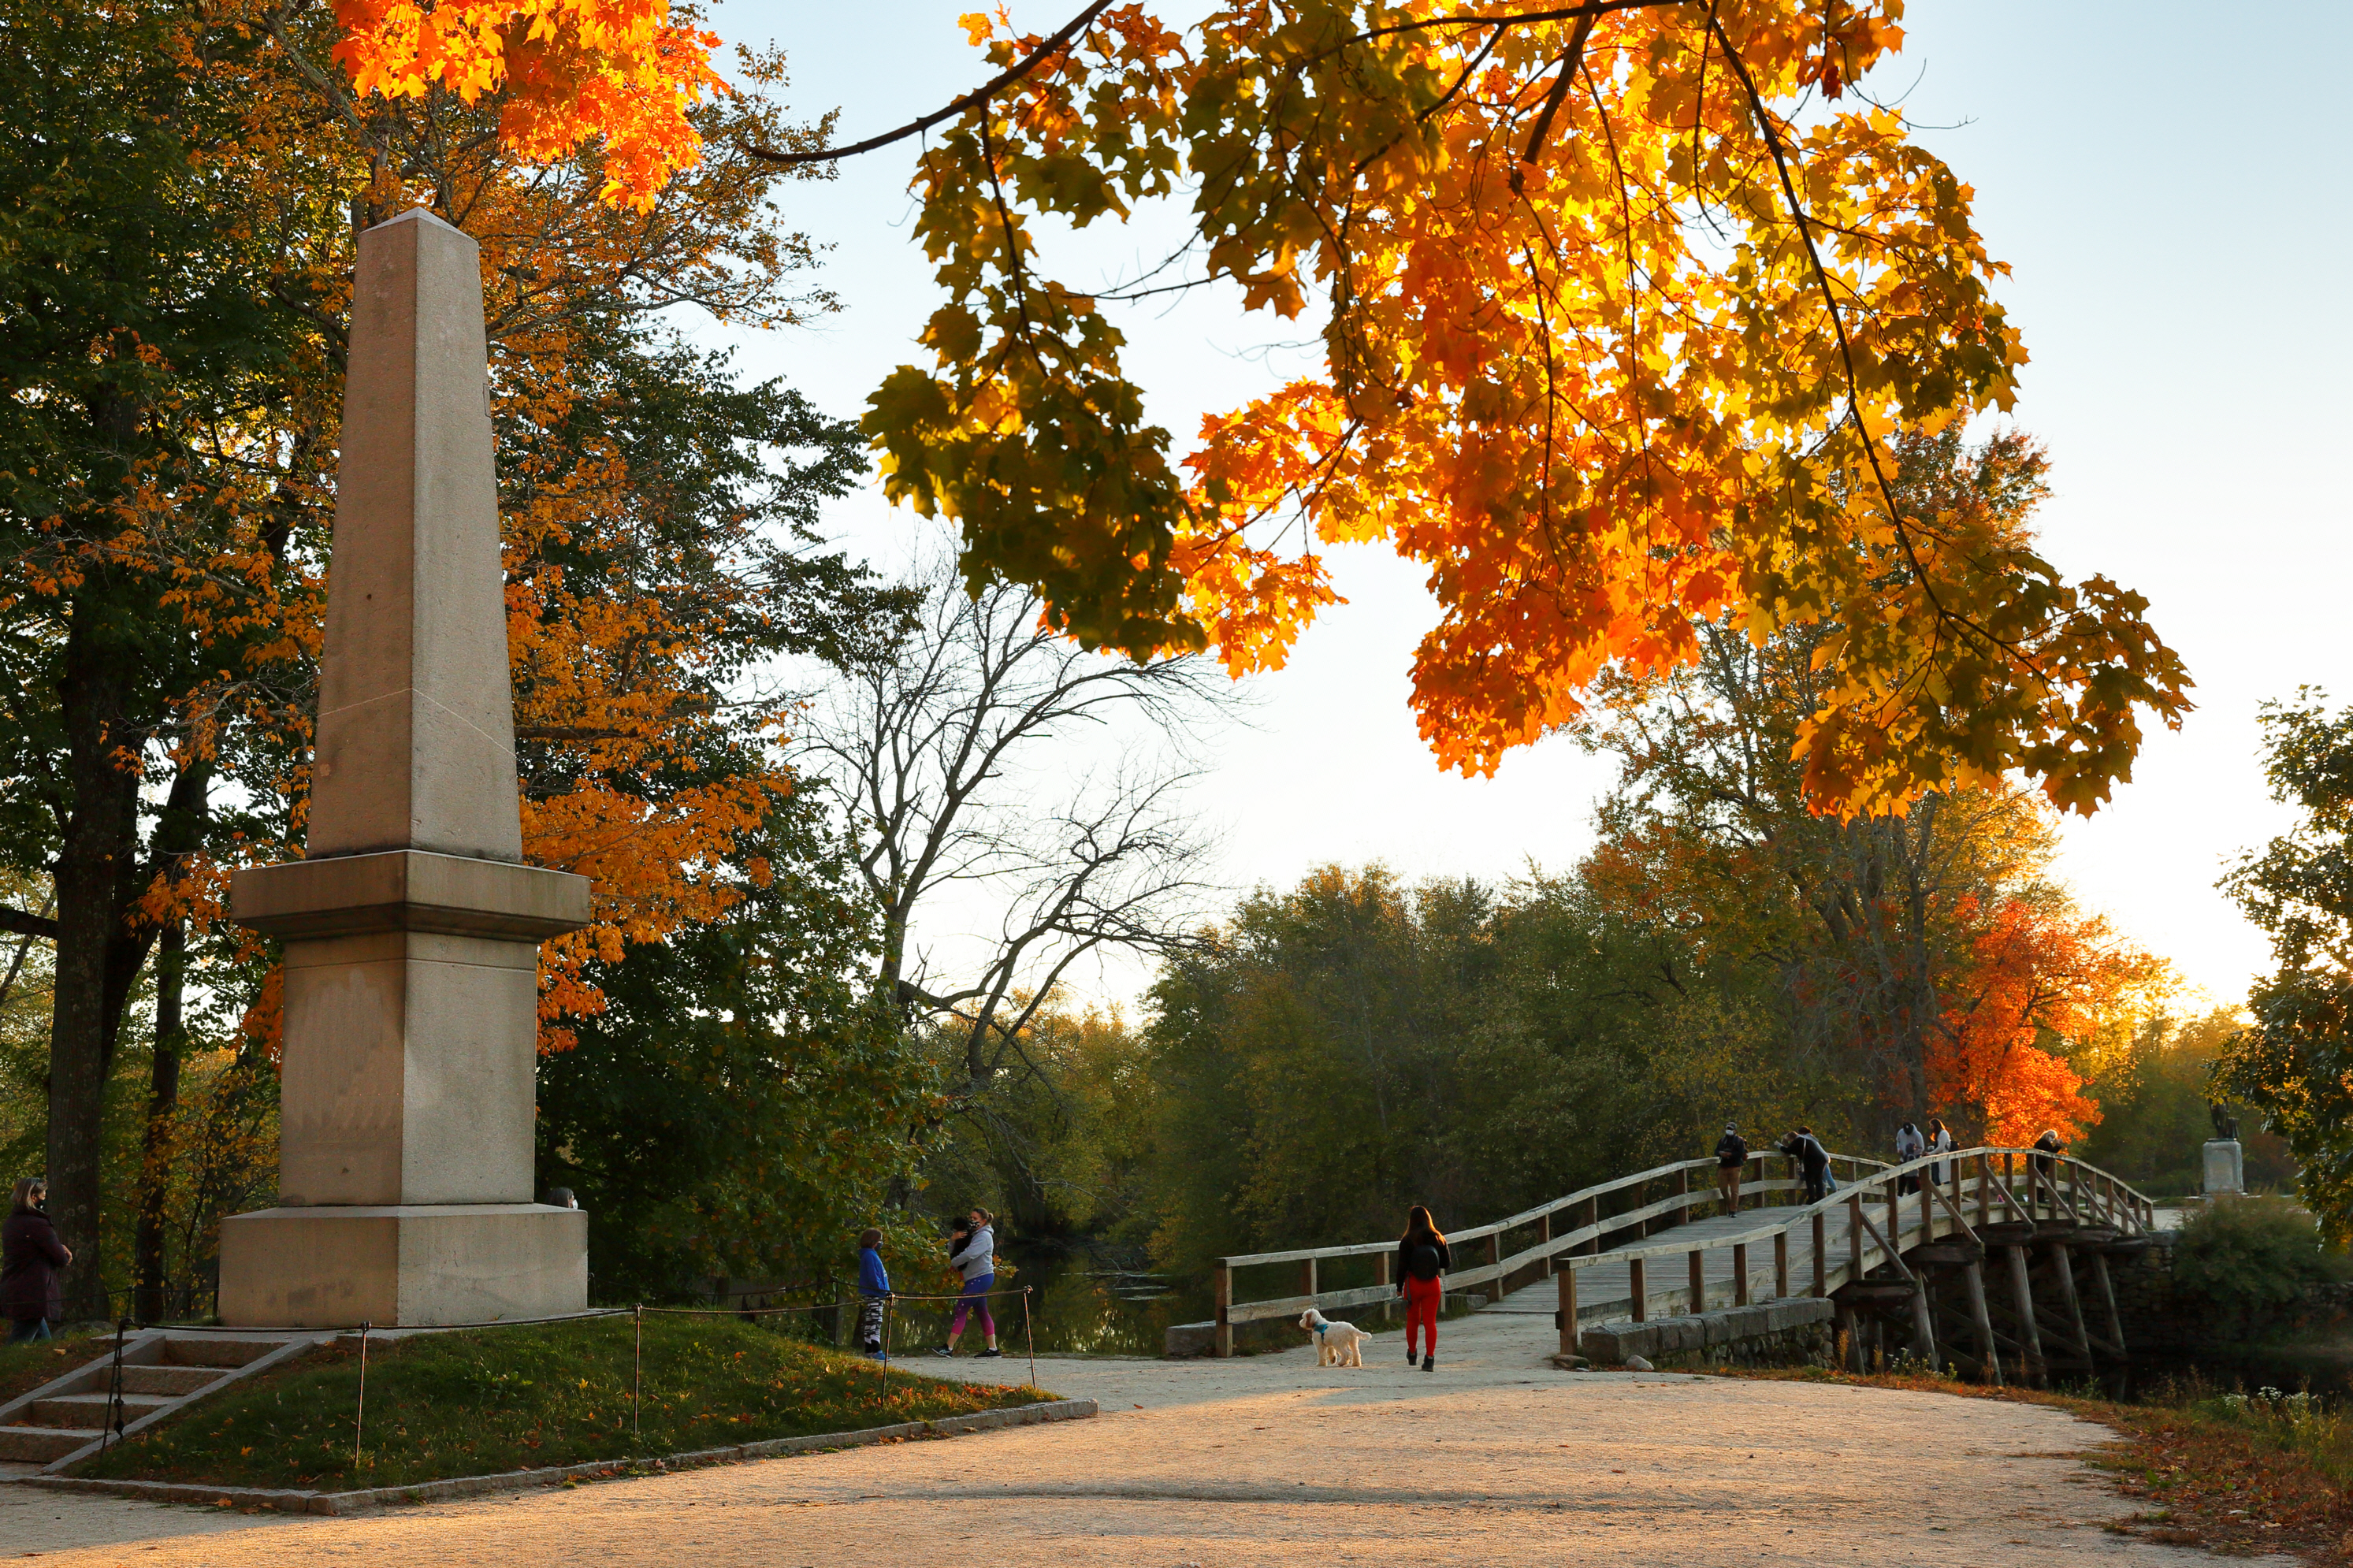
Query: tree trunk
[[96, 861], [162, 1104]]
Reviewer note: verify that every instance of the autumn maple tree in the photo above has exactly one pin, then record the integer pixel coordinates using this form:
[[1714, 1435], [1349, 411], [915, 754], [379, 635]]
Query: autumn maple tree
[[1620, 301]]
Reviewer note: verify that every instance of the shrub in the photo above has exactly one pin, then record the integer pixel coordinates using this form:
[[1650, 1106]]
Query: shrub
[[2252, 1257]]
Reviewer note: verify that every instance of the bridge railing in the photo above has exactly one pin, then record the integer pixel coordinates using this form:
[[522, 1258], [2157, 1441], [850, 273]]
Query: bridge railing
[[2004, 1185]]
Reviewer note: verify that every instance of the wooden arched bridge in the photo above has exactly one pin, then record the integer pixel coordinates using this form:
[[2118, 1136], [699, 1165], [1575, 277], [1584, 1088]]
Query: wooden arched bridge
[[1992, 1259]]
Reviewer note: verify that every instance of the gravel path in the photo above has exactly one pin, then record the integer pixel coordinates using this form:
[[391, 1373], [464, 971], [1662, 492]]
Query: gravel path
[[1494, 1458]]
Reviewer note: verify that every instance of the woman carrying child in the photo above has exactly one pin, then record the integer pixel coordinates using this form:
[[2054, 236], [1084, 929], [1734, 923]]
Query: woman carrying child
[[973, 1252]]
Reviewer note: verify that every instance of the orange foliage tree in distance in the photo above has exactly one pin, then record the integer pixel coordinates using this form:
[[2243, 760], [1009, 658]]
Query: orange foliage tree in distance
[[2032, 976]]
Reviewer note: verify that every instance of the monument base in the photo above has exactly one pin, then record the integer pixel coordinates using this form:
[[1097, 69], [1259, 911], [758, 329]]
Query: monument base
[[410, 1266], [2226, 1169]]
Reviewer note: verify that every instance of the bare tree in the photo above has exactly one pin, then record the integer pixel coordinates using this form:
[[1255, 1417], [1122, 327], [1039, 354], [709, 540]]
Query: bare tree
[[951, 753]]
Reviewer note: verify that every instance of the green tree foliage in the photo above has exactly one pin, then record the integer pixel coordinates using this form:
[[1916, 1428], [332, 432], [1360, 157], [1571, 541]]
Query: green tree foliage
[[1062, 1146], [2295, 1065], [1354, 1047], [2252, 1257], [2154, 1089], [744, 1103]]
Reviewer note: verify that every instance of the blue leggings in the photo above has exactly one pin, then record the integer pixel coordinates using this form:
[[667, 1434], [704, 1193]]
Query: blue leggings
[[969, 1298]]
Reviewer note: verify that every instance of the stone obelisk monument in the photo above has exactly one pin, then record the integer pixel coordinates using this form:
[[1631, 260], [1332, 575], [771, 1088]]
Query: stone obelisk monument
[[412, 929]]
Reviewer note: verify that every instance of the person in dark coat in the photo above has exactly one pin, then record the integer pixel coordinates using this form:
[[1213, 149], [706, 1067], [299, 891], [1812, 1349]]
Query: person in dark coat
[[1813, 1161], [31, 1256], [1422, 1259]]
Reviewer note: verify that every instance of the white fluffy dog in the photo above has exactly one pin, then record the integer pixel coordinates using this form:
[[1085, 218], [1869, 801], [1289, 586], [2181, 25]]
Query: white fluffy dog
[[1337, 1344]]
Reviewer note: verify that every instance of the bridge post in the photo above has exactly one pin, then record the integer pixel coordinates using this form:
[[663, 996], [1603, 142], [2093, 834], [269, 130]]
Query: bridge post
[[1682, 1191], [1698, 1261], [1821, 1255], [1307, 1280], [1780, 1264], [1381, 1276], [1855, 1235], [1639, 1287], [1973, 1277], [1495, 1257], [2108, 1299], [1222, 1284], [2021, 1298], [2060, 1256], [1924, 1320], [1740, 1274], [1592, 1219], [1544, 1238], [1985, 1192], [1566, 1279]]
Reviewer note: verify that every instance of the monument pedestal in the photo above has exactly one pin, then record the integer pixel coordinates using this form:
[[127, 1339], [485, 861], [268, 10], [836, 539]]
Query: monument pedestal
[[2226, 1169], [403, 1263]]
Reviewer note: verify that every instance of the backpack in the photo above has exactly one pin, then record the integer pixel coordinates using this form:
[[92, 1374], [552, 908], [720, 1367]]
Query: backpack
[[1422, 1262]]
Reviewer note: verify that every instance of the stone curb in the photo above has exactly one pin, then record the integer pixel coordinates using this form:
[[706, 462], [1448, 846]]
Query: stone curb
[[294, 1501]]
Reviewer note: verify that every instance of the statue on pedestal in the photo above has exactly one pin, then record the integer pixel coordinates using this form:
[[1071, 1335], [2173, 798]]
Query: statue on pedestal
[[2226, 1126]]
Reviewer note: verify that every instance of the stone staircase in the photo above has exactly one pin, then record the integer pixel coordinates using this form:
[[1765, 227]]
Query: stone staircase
[[161, 1371]]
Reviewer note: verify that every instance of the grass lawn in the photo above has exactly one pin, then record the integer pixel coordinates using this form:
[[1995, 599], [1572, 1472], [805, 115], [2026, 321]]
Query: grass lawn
[[2237, 1475], [483, 1401], [23, 1368]]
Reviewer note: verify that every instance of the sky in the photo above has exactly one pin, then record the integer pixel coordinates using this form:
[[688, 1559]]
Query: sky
[[2168, 184]]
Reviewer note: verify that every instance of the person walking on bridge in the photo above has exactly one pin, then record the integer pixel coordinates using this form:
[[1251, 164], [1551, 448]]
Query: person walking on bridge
[[1731, 1161], [1422, 1259]]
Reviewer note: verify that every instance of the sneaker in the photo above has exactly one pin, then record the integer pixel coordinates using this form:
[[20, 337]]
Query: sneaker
[[992, 1351], [1428, 1362], [942, 1350], [1410, 1358]]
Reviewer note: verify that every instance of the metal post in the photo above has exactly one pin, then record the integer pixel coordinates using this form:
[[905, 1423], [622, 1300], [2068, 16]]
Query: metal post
[[1740, 1274], [1973, 1279], [1223, 1284], [1566, 1281], [1029, 1334], [1640, 1287], [638, 1373], [359, 1421]]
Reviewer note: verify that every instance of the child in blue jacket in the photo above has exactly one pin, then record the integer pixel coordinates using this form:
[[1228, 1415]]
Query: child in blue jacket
[[873, 1290]]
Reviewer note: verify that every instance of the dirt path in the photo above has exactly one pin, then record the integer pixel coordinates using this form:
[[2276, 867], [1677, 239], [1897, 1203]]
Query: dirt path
[[1494, 1458]]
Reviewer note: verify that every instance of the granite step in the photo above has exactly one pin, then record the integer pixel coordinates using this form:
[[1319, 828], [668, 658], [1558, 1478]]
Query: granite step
[[175, 1380], [39, 1445], [79, 1410]]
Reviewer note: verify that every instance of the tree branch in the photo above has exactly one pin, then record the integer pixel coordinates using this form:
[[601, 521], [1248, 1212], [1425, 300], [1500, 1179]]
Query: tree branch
[[980, 94]]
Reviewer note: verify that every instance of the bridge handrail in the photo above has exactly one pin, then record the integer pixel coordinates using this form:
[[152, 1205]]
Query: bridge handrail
[[1525, 1216], [1878, 1183]]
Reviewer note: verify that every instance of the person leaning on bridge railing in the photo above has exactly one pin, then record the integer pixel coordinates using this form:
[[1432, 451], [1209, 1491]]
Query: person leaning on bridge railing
[[1731, 1160], [1813, 1161]]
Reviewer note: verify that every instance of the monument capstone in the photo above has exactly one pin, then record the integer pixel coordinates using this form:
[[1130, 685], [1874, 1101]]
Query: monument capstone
[[412, 928]]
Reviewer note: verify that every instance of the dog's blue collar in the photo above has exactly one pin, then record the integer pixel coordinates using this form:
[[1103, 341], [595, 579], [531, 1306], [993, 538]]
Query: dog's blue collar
[[1320, 1327]]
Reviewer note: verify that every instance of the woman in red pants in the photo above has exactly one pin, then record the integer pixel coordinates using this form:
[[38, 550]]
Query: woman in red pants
[[1422, 1260]]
